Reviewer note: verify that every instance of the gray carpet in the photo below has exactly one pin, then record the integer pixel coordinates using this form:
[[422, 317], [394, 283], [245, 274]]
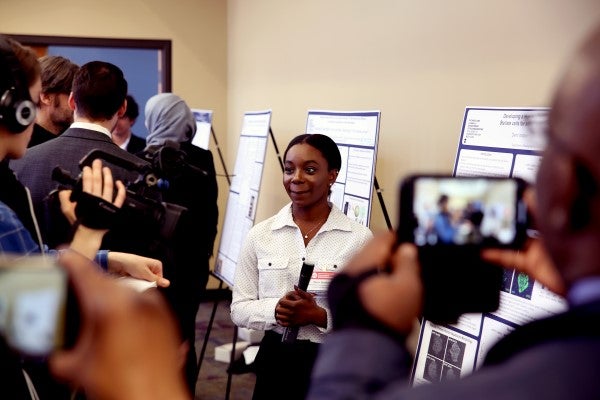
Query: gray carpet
[[213, 377]]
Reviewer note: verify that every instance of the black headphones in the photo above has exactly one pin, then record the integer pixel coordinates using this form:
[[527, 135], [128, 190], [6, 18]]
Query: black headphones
[[17, 111]]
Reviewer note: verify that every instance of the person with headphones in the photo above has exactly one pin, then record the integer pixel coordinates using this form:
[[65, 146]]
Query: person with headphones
[[19, 84]]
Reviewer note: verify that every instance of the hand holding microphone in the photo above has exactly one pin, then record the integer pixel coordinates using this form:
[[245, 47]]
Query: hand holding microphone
[[291, 332]]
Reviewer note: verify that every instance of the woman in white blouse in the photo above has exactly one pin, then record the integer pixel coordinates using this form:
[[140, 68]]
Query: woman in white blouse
[[309, 229]]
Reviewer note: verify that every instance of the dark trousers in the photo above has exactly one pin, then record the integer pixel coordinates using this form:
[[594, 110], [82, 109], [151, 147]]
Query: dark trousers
[[283, 369]]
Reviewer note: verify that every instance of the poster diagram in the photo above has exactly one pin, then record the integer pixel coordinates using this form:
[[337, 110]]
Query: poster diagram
[[203, 127], [356, 134], [243, 192], [504, 142]]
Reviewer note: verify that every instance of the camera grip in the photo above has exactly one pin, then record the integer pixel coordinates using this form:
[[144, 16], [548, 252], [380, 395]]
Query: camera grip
[[95, 212]]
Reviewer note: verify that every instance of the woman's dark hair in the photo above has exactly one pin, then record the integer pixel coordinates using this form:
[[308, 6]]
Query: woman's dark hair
[[133, 110], [99, 90], [324, 144]]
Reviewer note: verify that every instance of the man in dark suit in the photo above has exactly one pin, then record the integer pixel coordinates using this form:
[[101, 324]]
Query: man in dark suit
[[98, 100], [552, 358], [122, 134]]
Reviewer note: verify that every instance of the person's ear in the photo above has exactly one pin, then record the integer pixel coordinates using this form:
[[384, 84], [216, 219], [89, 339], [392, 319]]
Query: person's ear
[[123, 109], [333, 174], [71, 101], [45, 98]]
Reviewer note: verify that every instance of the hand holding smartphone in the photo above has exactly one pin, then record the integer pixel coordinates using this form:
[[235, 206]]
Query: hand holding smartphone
[[33, 301], [450, 220]]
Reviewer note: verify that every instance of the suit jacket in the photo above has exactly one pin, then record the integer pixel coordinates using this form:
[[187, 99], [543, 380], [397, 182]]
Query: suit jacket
[[553, 358], [136, 144], [34, 170]]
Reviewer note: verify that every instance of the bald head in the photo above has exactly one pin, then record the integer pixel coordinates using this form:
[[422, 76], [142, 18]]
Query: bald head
[[575, 116], [568, 182]]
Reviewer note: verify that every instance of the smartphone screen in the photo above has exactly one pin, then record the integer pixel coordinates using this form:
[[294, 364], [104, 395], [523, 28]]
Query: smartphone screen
[[459, 211], [32, 305]]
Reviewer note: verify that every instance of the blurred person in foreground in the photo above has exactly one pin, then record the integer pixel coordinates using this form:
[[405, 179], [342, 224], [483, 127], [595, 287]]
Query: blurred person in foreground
[[128, 343]]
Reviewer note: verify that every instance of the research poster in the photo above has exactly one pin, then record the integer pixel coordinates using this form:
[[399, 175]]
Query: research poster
[[505, 142], [243, 192], [356, 134], [203, 127]]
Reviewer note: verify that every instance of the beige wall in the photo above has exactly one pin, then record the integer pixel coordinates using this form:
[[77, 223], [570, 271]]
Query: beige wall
[[420, 63]]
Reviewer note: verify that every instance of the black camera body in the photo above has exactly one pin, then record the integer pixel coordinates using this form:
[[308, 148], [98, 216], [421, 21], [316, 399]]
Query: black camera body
[[143, 211]]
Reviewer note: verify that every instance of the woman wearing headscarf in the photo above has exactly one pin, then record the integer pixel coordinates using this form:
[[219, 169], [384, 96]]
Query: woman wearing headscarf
[[190, 173]]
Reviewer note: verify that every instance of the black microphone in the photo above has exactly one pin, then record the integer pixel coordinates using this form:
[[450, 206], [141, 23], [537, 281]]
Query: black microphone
[[290, 333]]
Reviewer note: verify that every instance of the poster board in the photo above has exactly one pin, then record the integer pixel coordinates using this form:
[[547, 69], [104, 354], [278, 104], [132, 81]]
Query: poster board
[[356, 134], [203, 127], [505, 142], [243, 192]]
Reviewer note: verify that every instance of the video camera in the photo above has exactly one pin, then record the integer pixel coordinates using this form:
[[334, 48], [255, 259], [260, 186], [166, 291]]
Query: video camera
[[143, 207]]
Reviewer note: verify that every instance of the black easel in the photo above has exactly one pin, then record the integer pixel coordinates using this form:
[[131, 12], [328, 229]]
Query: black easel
[[214, 310], [383, 208], [235, 330], [220, 156], [276, 148]]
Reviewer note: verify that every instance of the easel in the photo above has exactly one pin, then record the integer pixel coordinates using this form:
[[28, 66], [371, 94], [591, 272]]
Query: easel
[[235, 331], [212, 131], [216, 303]]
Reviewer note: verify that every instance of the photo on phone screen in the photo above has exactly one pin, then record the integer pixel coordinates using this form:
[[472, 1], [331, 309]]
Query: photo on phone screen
[[32, 306], [477, 211]]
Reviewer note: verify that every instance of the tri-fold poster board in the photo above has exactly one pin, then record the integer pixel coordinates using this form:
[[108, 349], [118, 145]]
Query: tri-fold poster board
[[505, 142]]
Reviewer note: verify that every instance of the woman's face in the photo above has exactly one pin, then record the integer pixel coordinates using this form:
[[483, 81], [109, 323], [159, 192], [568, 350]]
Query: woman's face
[[306, 175]]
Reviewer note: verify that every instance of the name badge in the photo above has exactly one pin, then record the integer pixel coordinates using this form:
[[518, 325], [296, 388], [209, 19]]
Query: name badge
[[322, 276]]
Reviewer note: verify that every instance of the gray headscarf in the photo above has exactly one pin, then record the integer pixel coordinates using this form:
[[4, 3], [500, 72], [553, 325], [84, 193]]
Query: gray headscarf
[[168, 118]]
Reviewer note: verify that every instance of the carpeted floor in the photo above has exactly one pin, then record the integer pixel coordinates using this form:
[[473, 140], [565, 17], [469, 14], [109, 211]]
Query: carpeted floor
[[213, 377]]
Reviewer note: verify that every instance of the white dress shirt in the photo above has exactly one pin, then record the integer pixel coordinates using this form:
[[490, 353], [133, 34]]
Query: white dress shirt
[[271, 259]]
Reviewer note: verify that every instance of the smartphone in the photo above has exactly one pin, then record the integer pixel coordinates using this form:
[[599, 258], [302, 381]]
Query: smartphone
[[450, 219], [440, 210], [33, 304]]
